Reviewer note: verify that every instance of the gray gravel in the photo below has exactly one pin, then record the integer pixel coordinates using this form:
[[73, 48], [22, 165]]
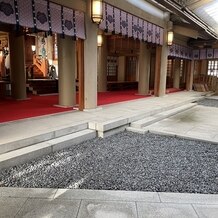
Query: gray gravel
[[126, 161], [209, 102]]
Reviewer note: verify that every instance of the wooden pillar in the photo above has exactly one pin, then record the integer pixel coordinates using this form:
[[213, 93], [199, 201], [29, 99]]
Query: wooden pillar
[[190, 75], [161, 68], [157, 71], [66, 71], [203, 67], [90, 61], [121, 68], [144, 69], [102, 66], [176, 73], [80, 72], [17, 66]]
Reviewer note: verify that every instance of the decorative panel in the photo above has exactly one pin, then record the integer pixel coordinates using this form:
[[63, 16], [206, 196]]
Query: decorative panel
[[118, 21], [43, 15]]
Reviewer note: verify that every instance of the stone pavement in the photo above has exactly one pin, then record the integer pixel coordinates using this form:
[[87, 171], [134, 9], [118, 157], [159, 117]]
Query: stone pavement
[[20, 202], [14, 131], [198, 123]]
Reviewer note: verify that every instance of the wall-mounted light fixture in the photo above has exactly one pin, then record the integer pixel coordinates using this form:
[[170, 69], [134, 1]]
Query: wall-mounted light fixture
[[96, 11], [99, 40], [33, 47], [170, 37]]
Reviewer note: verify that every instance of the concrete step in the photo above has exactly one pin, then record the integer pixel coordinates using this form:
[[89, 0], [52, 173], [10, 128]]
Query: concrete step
[[37, 138], [31, 152], [117, 125], [160, 116]]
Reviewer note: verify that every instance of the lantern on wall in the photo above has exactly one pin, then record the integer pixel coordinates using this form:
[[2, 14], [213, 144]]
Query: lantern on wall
[[99, 40], [96, 11], [33, 47], [170, 38]]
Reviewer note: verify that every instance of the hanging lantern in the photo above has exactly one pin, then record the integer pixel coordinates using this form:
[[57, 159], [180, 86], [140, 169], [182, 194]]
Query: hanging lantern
[[96, 12], [170, 38], [99, 40]]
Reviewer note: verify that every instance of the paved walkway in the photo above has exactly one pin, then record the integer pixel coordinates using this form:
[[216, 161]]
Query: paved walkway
[[19, 202], [200, 122], [13, 131]]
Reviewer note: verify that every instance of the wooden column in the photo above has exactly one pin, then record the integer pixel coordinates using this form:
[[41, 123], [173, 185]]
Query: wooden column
[[80, 71], [157, 70], [102, 66], [121, 68], [144, 69], [17, 66], [66, 69], [90, 61], [176, 73], [190, 75], [161, 68]]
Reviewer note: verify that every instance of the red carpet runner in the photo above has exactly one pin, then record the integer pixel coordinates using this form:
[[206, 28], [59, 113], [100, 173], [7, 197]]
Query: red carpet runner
[[11, 110]]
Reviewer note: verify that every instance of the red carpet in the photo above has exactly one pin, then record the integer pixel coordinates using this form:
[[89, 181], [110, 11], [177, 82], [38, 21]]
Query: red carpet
[[11, 110], [36, 106]]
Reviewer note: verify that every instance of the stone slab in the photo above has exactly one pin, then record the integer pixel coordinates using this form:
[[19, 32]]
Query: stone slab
[[112, 131], [72, 139], [210, 211], [70, 129], [184, 198], [23, 155], [25, 142], [38, 208], [27, 192], [9, 207], [136, 130], [35, 139], [105, 195], [111, 124], [101, 209], [165, 210]]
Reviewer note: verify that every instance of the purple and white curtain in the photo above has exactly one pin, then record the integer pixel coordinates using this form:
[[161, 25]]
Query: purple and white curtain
[[43, 15], [196, 54], [180, 51], [205, 54], [188, 53], [210, 53], [215, 53], [120, 22]]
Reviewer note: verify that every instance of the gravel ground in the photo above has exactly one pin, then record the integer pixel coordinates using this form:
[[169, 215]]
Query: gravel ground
[[126, 161], [209, 102]]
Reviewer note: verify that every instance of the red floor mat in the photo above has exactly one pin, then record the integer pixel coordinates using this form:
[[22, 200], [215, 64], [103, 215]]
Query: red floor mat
[[11, 110], [35, 106]]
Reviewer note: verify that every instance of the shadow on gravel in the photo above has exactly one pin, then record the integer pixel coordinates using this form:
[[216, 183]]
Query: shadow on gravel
[[126, 161], [208, 102]]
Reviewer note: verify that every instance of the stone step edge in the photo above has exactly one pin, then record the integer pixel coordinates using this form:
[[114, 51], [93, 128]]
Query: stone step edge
[[121, 121], [160, 116], [59, 132], [31, 152]]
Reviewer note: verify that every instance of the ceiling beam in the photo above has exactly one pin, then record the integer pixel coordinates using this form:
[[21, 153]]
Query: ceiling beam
[[198, 4], [184, 31]]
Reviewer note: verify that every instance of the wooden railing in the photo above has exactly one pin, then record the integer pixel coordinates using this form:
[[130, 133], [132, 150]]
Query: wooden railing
[[41, 63]]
